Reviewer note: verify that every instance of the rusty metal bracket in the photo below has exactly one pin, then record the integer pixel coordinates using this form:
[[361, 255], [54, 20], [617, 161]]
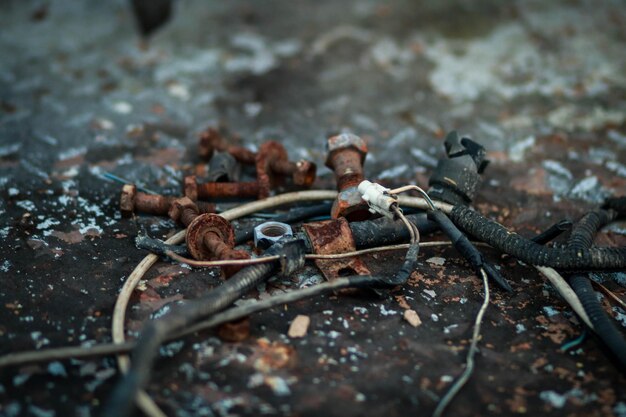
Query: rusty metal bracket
[[333, 237]]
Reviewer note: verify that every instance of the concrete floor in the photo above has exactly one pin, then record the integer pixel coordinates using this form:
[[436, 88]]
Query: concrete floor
[[541, 86]]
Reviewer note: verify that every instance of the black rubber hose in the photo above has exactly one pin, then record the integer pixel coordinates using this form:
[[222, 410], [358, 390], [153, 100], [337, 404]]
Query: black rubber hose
[[384, 231], [155, 332], [580, 239], [530, 252], [367, 234], [467, 249], [294, 215]]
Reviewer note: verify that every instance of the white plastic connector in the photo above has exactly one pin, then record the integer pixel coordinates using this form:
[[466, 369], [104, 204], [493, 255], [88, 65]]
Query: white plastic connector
[[378, 198]]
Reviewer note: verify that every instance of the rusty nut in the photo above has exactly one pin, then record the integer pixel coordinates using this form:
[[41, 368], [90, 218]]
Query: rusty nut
[[127, 200], [345, 141], [266, 234]]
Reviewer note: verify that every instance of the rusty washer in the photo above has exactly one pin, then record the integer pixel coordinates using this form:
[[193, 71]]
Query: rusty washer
[[211, 237]]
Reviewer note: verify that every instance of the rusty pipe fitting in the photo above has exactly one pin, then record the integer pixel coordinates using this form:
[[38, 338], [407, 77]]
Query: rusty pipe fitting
[[346, 156], [132, 201], [210, 190], [271, 160], [209, 236]]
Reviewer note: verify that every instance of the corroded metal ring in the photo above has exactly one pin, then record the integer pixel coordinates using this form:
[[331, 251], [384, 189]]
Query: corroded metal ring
[[203, 224]]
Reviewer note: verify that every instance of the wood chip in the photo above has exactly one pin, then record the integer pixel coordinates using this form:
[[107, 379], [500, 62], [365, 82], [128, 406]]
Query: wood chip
[[412, 317], [299, 326]]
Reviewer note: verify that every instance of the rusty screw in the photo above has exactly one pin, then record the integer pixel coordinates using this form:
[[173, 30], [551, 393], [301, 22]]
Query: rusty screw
[[132, 201], [271, 160], [346, 155], [209, 236]]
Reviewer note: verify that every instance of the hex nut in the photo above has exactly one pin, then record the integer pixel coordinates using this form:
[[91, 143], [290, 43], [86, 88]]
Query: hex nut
[[266, 234], [345, 141]]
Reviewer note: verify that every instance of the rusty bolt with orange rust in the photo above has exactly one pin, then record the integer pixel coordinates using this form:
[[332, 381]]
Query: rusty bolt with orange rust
[[272, 161], [209, 190], [209, 236], [211, 141], [132, 201], [346, 155]]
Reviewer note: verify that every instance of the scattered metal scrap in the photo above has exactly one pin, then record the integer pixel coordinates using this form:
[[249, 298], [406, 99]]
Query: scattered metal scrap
[[333, 243]]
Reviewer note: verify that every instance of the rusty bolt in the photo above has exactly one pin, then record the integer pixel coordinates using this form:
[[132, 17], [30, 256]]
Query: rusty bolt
[[211, 141], [209, 190], [271, 161], [183, 211], [211, 237], [132, 201], [346, 155]]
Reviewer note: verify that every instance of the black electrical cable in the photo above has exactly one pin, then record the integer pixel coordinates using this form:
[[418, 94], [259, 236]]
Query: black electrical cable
[[384, 231], [581, 239], [156, 331], [366, 234], [293, 215], [530, 252], [157, 246], [235, 313], [467, 249]]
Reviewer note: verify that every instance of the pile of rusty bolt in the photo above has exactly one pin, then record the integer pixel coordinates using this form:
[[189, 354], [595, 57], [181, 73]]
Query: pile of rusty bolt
[[271, 163], [211, 237]]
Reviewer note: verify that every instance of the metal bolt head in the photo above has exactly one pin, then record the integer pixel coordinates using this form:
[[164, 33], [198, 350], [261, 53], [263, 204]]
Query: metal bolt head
[[178, 206], [190, 187], [345, 141], [127, 200], [208, 143], [350, 204], [305, 173], [266, 234]]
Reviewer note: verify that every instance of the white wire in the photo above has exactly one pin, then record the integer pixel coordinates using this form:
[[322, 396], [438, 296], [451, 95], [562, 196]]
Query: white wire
[[469, 367]]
